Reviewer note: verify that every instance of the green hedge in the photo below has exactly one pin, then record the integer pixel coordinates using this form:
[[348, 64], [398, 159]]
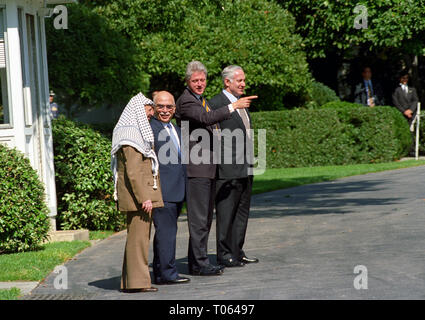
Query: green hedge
[[321, 95], [24, 221], [341, 105], [333, 136], [83, 178]]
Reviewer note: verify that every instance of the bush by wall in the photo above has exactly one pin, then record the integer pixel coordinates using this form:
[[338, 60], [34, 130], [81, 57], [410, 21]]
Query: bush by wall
[[24, 221], [83, 178], [333, 136]]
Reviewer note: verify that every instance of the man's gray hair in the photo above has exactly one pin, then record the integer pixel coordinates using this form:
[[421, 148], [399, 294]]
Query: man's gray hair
[[194, 66], [229, 72]]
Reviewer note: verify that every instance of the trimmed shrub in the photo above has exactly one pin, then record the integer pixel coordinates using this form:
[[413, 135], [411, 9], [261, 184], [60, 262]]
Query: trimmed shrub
[[341, 105], [24, 221], [321, 94], [83, 178], [333, 136]]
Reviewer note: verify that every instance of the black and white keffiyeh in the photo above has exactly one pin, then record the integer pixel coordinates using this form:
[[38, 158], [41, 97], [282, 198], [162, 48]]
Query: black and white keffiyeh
[[133, 129]]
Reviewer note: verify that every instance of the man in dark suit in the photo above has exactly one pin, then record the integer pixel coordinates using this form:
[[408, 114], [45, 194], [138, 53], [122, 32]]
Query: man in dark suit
[[405, 98], [193, 111], [234, 183], [368, 93], [173, 174]]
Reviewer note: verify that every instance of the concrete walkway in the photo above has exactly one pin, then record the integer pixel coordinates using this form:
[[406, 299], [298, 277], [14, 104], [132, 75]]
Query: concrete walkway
[[309, 239]]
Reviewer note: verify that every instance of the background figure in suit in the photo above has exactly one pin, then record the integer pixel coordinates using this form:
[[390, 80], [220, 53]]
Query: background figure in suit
[[173, 176], [234, 184], [137, 188], [200, 191], [368, 93], [405, 98]]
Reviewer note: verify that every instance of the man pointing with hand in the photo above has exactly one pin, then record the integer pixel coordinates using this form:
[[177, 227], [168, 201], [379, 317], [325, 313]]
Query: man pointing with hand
[[193, 108], [234, 180]]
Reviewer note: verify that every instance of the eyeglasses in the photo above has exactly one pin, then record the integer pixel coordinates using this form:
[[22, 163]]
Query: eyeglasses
[[163, 106]]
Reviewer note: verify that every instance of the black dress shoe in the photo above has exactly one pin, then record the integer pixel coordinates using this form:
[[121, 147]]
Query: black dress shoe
[[245, 259], [232, 263], [151, 289], [208, 271], [177, 280]]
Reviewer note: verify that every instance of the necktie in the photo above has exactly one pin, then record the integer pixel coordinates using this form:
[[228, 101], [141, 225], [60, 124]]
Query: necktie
[[205, 105], [369, 89], [173, 138], [245, 120]]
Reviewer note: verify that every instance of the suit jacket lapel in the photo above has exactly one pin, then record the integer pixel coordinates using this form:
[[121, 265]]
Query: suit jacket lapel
[[159, 127], [235, 114]]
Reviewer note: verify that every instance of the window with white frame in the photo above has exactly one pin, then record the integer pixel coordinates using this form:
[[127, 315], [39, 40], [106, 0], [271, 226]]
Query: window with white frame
[[4, 101]]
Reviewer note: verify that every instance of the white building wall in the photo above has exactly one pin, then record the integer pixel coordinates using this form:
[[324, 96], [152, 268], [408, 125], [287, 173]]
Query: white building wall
[[30, 127]]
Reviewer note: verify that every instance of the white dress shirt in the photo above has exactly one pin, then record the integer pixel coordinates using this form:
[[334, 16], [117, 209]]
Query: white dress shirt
[[232, 99], [404, 87], [174, 132]]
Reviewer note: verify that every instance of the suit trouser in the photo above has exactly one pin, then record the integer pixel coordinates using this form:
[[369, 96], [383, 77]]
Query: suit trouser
[[135, 270], [233, 200], [200, 209], [164, 243]]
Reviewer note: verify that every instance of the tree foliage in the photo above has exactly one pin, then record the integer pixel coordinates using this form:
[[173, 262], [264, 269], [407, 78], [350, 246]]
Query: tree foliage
[[329, 25], [258, 35], [91, 64]]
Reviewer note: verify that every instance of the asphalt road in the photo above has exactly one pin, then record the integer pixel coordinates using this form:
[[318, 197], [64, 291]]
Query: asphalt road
[[309, 240]]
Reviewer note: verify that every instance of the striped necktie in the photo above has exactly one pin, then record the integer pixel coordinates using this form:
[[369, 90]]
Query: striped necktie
[[205, 105]]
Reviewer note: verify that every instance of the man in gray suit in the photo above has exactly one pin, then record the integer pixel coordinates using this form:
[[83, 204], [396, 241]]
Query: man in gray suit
[[234, 181]]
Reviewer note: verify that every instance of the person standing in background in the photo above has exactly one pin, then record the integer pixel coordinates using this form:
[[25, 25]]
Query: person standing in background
[[54, 108], [368, 92], [405, 98]]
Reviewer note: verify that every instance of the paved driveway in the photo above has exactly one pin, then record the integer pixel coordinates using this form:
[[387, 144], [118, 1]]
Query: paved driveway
[[309, 239]]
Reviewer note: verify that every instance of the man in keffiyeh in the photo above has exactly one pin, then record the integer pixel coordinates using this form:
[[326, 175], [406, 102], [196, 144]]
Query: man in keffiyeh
[[137, 188]]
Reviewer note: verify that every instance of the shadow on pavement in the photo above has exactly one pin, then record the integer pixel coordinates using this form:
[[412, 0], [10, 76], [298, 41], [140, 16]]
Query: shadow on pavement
[[107, 284], [334, 197]]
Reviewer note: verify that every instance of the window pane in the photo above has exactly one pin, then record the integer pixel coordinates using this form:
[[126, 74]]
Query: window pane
[[4, 102]]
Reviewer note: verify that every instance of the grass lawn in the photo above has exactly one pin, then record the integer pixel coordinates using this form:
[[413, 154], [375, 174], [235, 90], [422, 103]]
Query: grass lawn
[[11, 294], [100, 235], [36, 265], [274, 179]]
